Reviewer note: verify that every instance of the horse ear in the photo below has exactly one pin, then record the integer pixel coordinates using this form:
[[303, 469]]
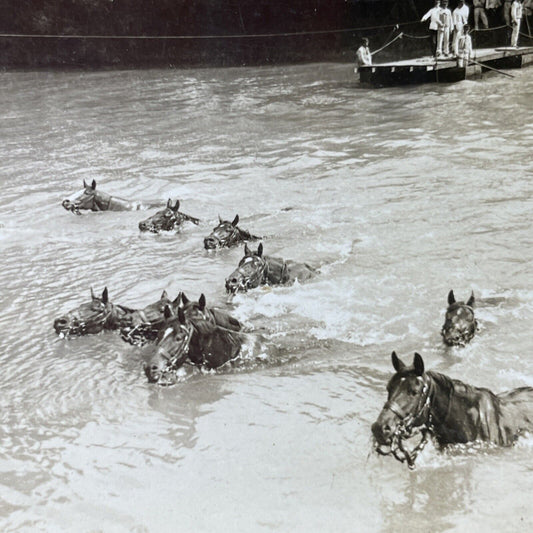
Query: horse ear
[[177, 300], [93, 185], [398, 365], [84, 184], [176, 206], [169, 203], [451, 298], [105, 297], [93, 297], [201, 302], [164, 295], [181, 315], [235, 220], [184, 299], [247, 250], [260, 250], [418, 364], [168, 312], [220, 219], [471, 300]]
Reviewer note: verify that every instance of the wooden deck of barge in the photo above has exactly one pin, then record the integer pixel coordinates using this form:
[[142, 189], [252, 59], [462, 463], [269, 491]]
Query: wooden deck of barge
[[444, 70]]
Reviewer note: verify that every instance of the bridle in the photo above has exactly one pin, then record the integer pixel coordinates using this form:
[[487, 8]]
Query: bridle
[[410, 425], [172, 359], [464, 334], [102, 318], [228, 237], [92, 200], [256, 278]]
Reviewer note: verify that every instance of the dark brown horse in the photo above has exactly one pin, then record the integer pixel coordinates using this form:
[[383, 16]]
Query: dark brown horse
[[432, 404], [146, 323], [91, 199], [93, 317], [101, 314], [256, 269], [227, 234], [460, 325], [199, 335], [167, 219]]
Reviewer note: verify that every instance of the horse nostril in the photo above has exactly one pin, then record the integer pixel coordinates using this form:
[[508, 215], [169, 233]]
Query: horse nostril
[[376, 430]]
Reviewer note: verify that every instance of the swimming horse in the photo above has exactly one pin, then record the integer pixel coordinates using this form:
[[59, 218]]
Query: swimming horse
[[91, 199], [145, 324], [100, 314], [256, 269], [227, 234], [460, 325], [424, 404], [202, 336], [167, 219]]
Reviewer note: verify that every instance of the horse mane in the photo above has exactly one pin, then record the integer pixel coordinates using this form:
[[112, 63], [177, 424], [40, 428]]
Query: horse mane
[[458, 386]]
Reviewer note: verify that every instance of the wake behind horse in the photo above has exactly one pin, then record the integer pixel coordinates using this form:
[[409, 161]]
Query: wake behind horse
[[95, 200], [256, 269], [452, 412]]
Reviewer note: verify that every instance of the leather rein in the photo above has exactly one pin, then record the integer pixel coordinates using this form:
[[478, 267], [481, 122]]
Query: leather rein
[[406, 429]]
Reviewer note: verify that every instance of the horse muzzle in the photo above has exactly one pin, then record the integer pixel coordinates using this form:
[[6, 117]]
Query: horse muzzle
[[211, 243], [70, 206], [383, 433], [234, 285], [144, 226], [64, 327]]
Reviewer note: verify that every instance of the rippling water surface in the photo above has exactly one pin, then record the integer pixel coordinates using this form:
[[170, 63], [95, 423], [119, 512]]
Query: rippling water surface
[[397, 195]]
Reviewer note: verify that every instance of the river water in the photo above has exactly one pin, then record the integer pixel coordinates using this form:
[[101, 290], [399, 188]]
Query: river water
[[397, 195]]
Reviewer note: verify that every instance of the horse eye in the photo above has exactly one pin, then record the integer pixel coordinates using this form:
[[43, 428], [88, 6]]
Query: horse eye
[[413, 392]]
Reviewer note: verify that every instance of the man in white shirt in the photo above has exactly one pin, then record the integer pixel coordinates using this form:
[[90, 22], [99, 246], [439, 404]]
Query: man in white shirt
[[434, 24], [516, 17], [459, 18], [464, 52], [363, 57], [443, 43]]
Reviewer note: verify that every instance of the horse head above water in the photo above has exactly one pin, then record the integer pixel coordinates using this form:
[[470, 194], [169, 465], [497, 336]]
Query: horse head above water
[[95, 200], [146, 323], [227, 234], [198, 334], [460, 324], [167, 219], [432, 404], [256, 269], [93, 317]]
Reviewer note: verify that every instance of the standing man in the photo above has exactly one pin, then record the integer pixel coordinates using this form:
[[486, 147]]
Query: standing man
[[460, 18], [480, 14], [445, 30], [464, 47], [516, 17], [434, 24], [363, 57]]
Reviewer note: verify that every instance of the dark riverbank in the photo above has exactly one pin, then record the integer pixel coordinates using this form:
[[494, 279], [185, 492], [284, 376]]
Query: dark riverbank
[[184, 33]]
